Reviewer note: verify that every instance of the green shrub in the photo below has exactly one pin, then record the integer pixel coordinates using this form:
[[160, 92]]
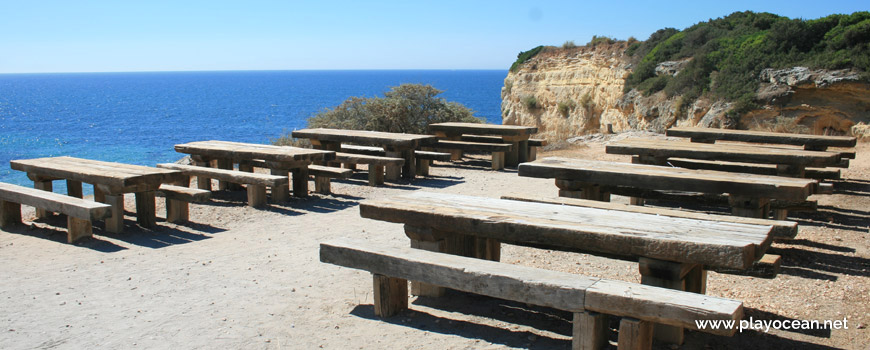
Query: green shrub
[[508, 86], [524, 56], [598, 40], [569, 45], [531, 102], [565, 107], [407, 108], [586, 101]]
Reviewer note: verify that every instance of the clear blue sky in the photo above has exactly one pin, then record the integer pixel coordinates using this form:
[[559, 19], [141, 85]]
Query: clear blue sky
[[101, 36]]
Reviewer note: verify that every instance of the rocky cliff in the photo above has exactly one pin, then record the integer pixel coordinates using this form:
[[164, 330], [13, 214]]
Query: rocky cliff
[[569, 92]]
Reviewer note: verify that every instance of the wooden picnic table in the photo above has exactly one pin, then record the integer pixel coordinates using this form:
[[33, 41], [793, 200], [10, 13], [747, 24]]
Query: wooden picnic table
[[281, 160], [809, 142], [790, 162], [396, 145], [110, 180], [672, 252], [749, 194], [475, 227], [516, 135]]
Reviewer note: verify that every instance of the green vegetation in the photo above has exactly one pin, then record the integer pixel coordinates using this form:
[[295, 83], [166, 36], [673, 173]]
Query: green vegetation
[[531, 102], [565, 107], [407, 108], [727, 54], [569, 45], [598, 40], [524, 56]]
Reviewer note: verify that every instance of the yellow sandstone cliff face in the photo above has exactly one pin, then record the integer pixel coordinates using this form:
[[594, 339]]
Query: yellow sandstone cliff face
[[570, 92]]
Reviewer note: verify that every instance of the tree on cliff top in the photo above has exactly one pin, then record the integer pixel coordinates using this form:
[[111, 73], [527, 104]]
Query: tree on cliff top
[[407, 108]]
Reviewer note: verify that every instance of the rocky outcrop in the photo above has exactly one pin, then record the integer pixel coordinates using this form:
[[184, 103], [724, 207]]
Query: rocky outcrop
[[570, 92]]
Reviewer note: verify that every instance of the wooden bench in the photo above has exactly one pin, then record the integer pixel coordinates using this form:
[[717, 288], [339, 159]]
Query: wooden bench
[[423, 158], [256, 183], [748, 168], [498, 150], [323, 176], [80, 212], [178, 199], [533, 143], [376, 164], [590, 299]]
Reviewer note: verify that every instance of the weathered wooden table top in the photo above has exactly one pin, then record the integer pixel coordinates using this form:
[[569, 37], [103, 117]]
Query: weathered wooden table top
[[482, 129], [247, 151], [655, 177], [763, 137], [114, 175], [362, 137], [613, 232], [723, 152]]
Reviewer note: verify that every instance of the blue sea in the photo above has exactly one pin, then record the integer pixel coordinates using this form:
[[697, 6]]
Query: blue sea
[[137, 118]]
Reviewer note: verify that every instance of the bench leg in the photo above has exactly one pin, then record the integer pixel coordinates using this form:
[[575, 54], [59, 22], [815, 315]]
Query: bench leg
[[671, 275], [498, 160], [322, 184], [146, 208], [394, 172], [74, 188], [77, 229], [256, 195], [590, 331], [45, 186], [177, 211], [300, 182], [581, 190], [115, 223], [202, 182], [376, 175], [10, 213], [634, 334], [780, 214], [423, 167], [282, 193], [391, 295]]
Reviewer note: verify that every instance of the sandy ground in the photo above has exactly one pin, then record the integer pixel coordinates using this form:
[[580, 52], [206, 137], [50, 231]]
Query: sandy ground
[[249, 278]]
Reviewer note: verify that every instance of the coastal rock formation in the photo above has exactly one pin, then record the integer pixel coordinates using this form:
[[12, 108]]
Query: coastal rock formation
[[569, 92]]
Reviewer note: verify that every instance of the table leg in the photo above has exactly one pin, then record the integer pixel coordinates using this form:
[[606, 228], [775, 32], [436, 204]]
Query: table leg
[[225, 164], [45, 186], [581, 190], [523, 151], [146, 209], [512, 157], [99, 195], [202, 182], [300, 181], [409, 168], [115, 223], [433, 241], [74, 188], [749, 207], [672, 275]]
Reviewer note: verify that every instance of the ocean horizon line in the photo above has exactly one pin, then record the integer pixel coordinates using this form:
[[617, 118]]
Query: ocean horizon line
[[264, 71]]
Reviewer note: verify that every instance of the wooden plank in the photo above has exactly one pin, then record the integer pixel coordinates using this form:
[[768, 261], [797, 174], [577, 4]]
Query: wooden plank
[[238, 151], [54, 202], [342, 157], [374, 138], [661, 305], [114, 175], [780, 228], [567, 227], [560, 290], [185, 194], [329, 172], [763, 137], [228, 175], [429, 155], [723, 152], [367, 150], [760, 169], [554, 289], [666, 178], [473, 146], [455, 128]]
